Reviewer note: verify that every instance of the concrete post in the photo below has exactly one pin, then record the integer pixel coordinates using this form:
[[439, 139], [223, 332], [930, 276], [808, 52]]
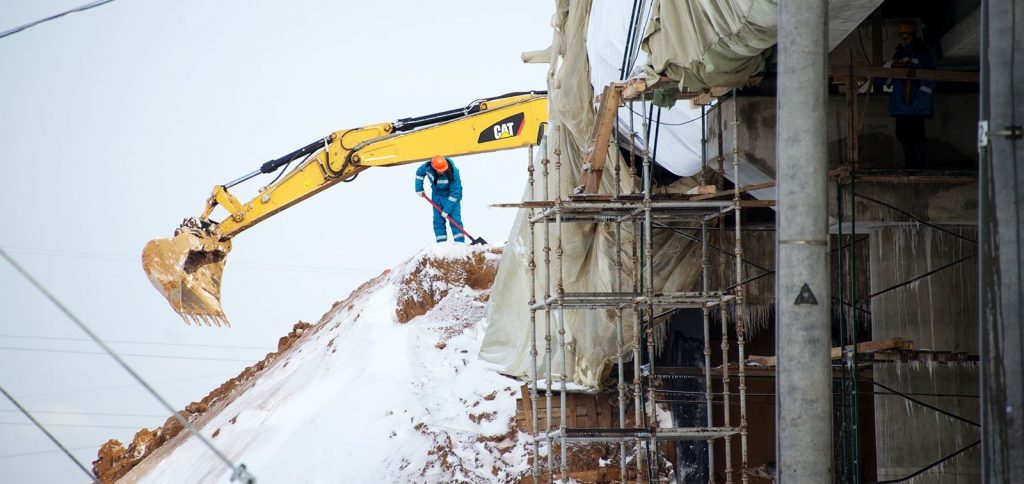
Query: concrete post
[[1001, 209], [803, 339]]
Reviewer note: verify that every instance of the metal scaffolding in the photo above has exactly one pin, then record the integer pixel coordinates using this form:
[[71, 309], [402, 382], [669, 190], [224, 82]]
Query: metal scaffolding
[[638, 214]]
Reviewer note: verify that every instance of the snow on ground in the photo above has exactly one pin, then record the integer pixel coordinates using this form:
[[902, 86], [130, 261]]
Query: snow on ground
[[363, 398]]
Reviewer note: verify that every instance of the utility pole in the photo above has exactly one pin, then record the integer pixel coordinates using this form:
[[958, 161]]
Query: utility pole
[[1000, 224], [803, 293]]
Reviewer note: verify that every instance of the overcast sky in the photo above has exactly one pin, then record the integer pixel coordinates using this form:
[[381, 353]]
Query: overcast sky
[[116, 123]]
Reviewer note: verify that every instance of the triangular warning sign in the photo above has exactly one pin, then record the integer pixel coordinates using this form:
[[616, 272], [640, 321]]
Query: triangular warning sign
[[805, 296]]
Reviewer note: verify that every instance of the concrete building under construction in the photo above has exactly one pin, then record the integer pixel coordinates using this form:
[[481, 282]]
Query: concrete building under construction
[[733, 264], [760, 241]]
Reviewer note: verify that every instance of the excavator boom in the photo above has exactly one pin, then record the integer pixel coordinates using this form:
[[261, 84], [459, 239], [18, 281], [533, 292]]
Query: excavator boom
[[188, 267]]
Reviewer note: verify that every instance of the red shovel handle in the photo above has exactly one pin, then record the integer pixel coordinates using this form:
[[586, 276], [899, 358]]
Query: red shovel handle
[[439, 210]]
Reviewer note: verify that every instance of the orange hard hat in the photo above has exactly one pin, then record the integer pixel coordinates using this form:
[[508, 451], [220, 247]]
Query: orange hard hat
[[439, 163], [907, 27]]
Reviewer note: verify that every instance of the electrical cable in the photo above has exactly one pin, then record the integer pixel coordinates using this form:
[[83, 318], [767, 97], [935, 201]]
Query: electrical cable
[[98, 414], [29, 25], [238, 472], [67, 452], [659, 122], [629, 39], [634, 50], [41, 452], [116, 341], [916, 218], [118, 387], [87, 426], [135, 355], [235, 263]]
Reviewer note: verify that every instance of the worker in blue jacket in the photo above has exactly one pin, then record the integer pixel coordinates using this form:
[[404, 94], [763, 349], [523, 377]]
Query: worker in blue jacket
[[910, 102], [446, 193]]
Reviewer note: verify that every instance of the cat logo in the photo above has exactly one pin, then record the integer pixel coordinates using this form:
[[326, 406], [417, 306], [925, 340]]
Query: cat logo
[[503, 130], [509, 127]]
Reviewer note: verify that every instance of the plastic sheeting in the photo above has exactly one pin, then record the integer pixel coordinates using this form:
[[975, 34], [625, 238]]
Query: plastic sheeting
[[587, 264], [679, 148], [705, 43], [588, 49]]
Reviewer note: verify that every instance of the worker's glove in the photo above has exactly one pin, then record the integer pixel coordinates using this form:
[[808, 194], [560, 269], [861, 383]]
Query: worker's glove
[[444, 215], [420, 195]]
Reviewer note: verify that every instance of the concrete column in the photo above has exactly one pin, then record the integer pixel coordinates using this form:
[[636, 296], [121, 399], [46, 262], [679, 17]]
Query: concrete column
[[1001, 290], [938, 312], [804, 380]]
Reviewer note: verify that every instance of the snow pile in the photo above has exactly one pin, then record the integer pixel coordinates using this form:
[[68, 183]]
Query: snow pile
[[361, 397]]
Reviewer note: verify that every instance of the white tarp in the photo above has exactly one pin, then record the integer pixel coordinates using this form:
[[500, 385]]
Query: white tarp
[[589, 41], [607, 34], [706, 43]]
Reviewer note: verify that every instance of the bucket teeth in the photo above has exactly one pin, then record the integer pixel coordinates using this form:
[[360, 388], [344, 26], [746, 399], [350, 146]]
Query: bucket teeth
[[187, 270]]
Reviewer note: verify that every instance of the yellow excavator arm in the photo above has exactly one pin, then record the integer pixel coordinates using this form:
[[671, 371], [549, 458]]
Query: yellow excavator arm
[[187, 268]]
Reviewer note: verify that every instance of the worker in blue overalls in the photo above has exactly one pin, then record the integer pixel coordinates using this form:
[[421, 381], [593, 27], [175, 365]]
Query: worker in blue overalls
[[910, 102], [445, 193]]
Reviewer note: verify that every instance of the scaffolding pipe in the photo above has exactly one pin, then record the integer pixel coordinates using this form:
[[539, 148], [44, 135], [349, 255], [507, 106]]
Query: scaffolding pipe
[[851, 360], [706, 314], [637, 387], [723, 317], [553, 66], [619, 337], [648, 273], [740, 288], [803, 339], [620, 347], [560, 291], [840, 288], [1000, 284], [618, 287], [547, 317], [533, 325]]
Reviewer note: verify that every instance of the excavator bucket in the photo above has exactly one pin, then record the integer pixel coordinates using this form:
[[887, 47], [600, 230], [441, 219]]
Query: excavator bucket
[[187, 270]]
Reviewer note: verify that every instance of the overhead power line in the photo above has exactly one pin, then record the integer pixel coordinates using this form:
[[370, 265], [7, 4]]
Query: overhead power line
[[88, 426], [133, 355], [234, 263], [130, 342], [118, 387], [94, 414], [54, 17], [47, 432], [41, 452], [238, 472]]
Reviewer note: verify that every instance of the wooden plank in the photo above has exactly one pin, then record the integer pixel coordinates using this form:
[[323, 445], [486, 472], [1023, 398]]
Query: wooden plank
[[837, 352], [757, 203], [600, 137], [527, 409], [706, 97], [839, 73], [743, 189], [633, 87]]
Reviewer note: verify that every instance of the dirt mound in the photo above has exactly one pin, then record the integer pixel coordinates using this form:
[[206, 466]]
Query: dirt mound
[[428, 281], [423, 283], [115, 460]]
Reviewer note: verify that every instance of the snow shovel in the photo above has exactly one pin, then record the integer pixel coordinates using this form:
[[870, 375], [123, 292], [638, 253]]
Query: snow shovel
[[476, 240]]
